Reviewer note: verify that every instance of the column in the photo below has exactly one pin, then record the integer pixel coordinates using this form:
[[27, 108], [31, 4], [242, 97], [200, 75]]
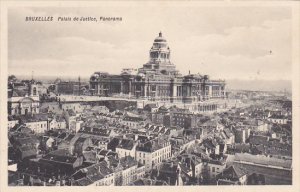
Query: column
[[129, 88], [220, 91], [121, 89], [174, 90], [188, 90], [210, 91]]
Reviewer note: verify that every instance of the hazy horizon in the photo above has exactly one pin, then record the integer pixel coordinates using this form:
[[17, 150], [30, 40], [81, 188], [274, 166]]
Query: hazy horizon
[[244, 43], [234, 84]]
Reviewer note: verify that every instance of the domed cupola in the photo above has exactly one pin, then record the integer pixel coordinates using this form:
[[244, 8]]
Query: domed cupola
[[160, 50], [159, 61], [160, 38]]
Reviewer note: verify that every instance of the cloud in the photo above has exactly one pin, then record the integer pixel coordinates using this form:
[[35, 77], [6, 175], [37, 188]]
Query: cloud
[[231, 42]]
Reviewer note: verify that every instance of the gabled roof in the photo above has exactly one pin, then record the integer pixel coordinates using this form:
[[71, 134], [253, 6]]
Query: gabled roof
[[233, 173]]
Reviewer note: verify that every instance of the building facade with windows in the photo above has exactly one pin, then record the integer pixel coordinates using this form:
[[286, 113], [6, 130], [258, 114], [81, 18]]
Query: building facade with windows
[[23, 100], [152, 153], [158, 80]]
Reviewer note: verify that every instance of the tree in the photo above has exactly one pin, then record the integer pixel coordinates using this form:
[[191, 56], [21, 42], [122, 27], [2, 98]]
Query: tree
[[12, 78]]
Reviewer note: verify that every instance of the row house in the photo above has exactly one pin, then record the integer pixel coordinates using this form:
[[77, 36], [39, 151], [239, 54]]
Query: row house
[[37, 122], [126, 169], [58, 122], [126, 147], [132, 122], [153, 152], [214, 166]]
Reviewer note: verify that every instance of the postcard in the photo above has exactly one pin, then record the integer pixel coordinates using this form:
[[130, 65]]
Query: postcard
[[150, 95]]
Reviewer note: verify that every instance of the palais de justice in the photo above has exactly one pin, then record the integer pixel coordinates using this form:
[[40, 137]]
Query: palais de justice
[[158, 80]]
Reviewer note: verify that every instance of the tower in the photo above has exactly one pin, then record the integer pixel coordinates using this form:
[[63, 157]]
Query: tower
[[159, 58], [33, 90]]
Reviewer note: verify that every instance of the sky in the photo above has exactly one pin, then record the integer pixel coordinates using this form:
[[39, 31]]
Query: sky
[[247, 43]]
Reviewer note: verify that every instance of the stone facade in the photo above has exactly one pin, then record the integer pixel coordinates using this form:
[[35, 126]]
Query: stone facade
[[158, 80], [23, 101]]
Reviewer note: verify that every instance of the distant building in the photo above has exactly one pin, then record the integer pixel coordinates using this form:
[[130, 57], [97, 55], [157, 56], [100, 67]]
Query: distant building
[[158, 80], [23, 100], [278, 119], [67, 87]]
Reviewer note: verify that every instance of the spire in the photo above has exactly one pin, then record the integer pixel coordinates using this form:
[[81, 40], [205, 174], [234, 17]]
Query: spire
[[160, 34]]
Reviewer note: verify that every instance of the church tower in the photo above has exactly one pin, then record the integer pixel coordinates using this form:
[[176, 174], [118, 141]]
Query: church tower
[[33, 90]]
